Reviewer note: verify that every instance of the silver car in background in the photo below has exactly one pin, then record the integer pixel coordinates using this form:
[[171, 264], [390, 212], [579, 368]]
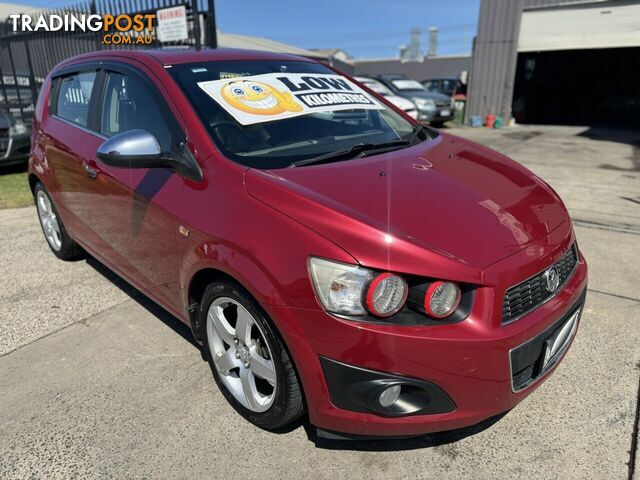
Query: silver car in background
[[403, 104]]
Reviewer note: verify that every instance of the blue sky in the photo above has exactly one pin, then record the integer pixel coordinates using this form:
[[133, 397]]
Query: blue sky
[[367, 28], [364, 28]]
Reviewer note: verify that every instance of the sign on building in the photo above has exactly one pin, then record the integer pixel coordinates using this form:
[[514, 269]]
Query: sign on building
[[172, 24]]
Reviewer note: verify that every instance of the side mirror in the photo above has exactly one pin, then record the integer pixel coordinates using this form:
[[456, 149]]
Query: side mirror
[[132, 149]]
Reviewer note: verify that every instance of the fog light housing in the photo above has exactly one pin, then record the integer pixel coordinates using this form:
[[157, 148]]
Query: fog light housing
[[389, 396]]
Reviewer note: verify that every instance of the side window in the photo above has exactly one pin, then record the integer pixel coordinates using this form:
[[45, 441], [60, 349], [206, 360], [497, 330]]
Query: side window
[[73, 97], [128, 105], [448, 86]]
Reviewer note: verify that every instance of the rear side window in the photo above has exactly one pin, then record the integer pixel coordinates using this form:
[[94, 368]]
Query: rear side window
[[73, 97], [129, 105]]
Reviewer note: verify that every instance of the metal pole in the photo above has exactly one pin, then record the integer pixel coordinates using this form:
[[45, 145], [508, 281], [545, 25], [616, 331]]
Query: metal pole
[[2, 87], [15, 79], [32, 76], [195, 23], [93, 10], [212, 33]]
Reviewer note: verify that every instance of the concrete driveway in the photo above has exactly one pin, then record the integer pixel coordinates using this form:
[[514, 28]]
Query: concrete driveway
[[96, 381]]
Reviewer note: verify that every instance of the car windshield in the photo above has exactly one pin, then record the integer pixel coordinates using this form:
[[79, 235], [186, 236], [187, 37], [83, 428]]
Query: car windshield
[[376, 86], [407, 85], [280, 142]]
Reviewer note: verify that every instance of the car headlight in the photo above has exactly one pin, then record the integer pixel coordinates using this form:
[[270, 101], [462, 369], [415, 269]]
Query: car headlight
[[424, 103], [19, 128], [353, 290], [386, 294], [441, 299]]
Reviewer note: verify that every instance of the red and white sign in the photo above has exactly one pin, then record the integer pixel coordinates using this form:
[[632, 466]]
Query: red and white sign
[[172, 24]]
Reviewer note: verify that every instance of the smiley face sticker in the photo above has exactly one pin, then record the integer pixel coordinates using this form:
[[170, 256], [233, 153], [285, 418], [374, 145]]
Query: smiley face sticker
[[266, 97], [258, 98]]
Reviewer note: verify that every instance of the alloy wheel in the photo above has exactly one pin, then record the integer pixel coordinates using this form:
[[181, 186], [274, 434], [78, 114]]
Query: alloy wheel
[[49, 220], [241, 355]]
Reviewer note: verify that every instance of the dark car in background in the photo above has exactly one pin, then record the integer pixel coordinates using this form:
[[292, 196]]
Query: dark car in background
[[452, 87], [17, 104], [14, 139], [433, 108]]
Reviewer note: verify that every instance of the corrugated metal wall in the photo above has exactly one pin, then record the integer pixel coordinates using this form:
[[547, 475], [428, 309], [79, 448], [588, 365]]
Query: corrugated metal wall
[[496, 52], [494, 58]]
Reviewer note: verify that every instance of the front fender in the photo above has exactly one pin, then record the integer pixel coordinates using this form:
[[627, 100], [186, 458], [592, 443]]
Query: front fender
[[262, 249]]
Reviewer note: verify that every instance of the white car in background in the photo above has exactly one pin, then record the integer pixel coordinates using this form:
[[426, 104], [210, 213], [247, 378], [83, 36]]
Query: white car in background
[[403, 104]]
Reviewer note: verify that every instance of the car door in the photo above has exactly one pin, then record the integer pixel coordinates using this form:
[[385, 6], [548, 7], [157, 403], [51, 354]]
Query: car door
[[67, 131], [134, 208]]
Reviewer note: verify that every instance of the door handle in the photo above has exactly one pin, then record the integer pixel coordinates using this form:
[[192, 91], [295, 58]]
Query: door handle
[[91, 171]]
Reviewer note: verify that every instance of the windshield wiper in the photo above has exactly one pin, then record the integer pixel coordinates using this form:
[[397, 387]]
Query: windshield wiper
[[419, 128], [359, 149]]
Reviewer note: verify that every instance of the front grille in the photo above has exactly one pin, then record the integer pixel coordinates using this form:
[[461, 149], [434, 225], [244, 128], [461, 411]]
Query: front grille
[[443, 103], [4, 133], [531, 293], [529, 361]]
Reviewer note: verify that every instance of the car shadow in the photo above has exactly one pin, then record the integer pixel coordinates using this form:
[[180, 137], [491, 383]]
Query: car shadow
[[398, 444], [148, 304], [618, 135], [361, 444]]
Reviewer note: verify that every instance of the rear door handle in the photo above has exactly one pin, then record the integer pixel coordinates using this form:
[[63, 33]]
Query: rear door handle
[[91, 171]]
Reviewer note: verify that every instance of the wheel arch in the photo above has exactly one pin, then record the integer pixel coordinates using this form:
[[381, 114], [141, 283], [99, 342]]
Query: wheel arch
[[209, 273], [33, 180], [197, 286]]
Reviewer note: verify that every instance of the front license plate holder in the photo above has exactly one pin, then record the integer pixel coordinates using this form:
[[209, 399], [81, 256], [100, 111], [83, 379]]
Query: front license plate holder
[[532, 359], [559, 340]]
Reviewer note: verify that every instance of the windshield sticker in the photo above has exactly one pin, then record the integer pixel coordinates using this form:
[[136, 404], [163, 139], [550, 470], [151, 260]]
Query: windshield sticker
[[275, 96], [224, 75]]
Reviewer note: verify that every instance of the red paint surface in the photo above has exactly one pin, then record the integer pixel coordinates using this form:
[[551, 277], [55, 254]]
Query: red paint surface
[[447, 209]]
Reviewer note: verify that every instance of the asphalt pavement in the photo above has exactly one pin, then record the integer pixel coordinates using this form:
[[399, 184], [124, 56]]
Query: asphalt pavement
[[98, 382]]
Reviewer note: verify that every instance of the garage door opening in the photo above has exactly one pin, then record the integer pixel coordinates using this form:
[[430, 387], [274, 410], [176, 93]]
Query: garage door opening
[[578, 87]]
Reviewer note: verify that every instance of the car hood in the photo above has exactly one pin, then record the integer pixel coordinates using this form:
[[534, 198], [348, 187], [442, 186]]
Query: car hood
[[445, 202]]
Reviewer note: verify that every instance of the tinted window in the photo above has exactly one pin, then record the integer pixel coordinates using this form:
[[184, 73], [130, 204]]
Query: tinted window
[[431, 85], [73, 97], [128, 105]]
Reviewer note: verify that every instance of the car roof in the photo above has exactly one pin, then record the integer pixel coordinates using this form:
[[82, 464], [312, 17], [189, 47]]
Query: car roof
[[176, 56]]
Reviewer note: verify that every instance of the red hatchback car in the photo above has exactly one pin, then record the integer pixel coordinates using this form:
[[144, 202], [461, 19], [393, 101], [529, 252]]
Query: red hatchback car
[[330, 254]]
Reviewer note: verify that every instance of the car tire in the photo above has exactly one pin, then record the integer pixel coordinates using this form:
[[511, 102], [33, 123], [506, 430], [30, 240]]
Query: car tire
[[243, 358], [61, 244]]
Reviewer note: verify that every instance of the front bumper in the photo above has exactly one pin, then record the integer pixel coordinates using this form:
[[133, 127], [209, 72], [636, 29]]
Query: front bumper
[[14, 149], [436, 115], [469, 361]]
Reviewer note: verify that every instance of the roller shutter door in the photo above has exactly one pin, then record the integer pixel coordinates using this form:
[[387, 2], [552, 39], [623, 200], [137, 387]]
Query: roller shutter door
[[604, 25]]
